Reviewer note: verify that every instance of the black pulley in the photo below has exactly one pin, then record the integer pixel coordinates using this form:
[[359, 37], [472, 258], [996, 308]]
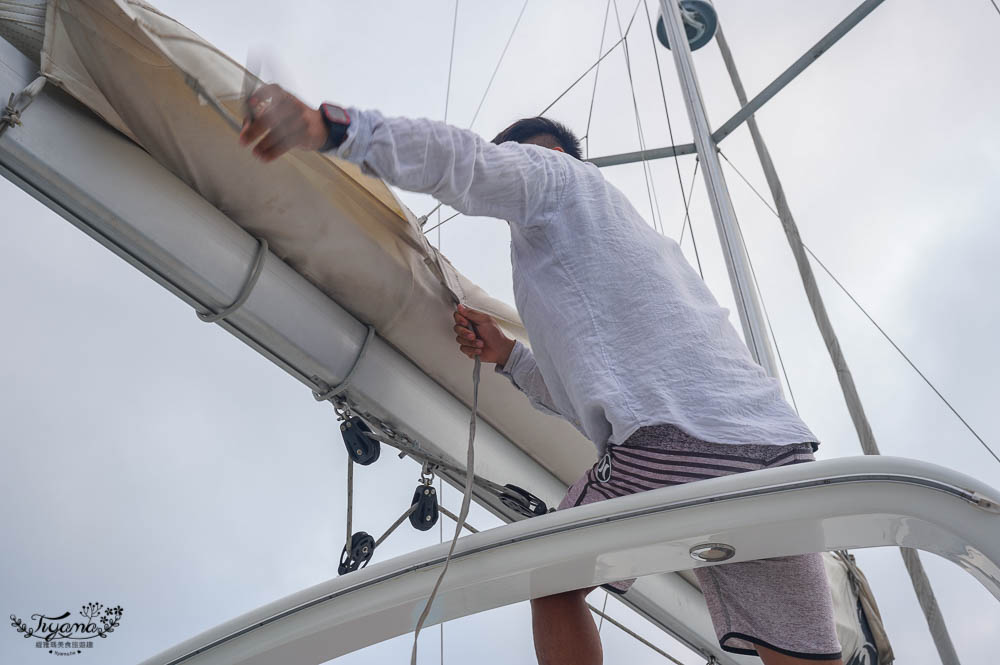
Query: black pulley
[[362, 549], [362, 448], [425, 514], [523, 501]]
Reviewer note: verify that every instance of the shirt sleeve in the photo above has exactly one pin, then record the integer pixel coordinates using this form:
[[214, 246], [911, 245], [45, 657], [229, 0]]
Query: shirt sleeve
[[522, 371], [516, 182]]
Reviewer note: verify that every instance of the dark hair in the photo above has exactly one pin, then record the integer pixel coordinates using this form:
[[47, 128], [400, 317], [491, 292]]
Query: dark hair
[[529, 127]]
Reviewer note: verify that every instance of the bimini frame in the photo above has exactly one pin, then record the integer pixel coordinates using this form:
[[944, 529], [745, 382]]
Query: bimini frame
[[836, 504]]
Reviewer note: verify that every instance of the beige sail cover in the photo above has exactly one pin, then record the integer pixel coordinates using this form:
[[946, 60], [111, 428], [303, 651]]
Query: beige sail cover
[[180, 98]]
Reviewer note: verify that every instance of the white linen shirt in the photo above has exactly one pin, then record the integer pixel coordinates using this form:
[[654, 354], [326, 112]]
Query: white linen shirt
[[624, 333]]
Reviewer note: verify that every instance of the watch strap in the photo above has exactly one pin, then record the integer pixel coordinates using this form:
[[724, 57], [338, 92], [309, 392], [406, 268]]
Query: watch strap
[[337, 131]]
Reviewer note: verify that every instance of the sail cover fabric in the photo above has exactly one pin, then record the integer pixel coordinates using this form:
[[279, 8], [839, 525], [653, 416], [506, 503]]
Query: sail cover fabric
[[181, 99]]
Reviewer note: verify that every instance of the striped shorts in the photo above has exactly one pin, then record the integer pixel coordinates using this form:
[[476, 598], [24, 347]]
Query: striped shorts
[[783, 603]]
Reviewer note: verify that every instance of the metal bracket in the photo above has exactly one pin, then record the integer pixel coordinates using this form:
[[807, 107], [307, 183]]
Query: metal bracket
[[258, 267], [342, 386], [427, 473]]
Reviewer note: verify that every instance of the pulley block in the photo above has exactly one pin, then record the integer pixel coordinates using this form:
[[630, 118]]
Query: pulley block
[[362, 549], [425, 503], [522, 501], [360, 447]]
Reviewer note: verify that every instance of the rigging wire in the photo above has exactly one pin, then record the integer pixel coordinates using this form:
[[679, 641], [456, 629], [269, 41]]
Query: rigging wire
[[482, 100], [767, 317], [995, 6], [446, 220], [631, 633], [447, 100], [593, 94], [591, 68], [600, 624], [497, 68], [687, 218], [582, 76], [556, 100], [870, 318], [666, 110], [646, 171]]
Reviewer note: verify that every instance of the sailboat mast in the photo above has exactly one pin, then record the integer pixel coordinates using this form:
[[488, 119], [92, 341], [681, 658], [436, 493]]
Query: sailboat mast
[[921, 583], [737, 263]]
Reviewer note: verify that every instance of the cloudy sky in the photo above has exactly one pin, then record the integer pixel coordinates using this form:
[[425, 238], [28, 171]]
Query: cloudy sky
[[154, 462]]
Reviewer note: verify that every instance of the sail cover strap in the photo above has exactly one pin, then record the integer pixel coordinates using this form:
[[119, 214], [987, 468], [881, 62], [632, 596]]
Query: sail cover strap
[[244, 294], [342, 386]]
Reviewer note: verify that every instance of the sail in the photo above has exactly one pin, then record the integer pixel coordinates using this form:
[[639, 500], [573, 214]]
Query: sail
[[178, 97]]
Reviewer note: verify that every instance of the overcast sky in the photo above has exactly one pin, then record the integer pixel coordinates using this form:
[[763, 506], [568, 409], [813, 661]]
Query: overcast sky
[[155, 462]]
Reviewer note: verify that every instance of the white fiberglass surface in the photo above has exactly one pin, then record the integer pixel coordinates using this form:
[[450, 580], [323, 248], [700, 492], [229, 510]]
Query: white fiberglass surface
[[154, 463]]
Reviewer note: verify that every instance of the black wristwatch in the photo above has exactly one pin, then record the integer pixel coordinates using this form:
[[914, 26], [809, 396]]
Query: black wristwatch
[[337, 121]]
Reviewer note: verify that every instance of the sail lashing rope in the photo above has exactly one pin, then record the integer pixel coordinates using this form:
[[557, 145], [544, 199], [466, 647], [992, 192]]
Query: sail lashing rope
[[18, 102]]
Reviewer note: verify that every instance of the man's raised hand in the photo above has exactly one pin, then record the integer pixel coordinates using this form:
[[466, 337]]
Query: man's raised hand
[[284, 121], [479, 335]]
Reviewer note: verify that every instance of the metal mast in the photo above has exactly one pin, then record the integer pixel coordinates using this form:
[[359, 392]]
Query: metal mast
[[751, 316], [921, 584]]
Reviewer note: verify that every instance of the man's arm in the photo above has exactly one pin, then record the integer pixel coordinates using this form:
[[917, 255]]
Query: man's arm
[[479, 335], [512, 181], [520, 183], [522, 371]]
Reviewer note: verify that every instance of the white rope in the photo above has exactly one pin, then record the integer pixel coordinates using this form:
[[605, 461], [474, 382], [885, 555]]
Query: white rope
[[350, 501], [462, 514]]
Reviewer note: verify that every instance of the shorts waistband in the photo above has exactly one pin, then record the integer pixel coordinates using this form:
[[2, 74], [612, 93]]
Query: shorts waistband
[[677, 439]]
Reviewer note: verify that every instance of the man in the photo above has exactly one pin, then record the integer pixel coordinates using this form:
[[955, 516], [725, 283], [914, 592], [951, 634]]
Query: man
[[628, 344]]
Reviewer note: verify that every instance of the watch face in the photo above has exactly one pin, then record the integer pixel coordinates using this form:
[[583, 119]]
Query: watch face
[[336, 114]]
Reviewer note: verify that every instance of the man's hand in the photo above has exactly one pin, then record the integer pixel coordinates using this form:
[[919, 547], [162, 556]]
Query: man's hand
[[287, 122], [490, 345]]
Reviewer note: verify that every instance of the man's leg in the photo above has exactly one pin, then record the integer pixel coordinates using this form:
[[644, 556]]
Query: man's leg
[[771, 657], [564, 630]]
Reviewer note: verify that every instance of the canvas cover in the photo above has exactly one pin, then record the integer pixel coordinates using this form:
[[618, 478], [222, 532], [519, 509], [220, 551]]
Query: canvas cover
[[181, 99]]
